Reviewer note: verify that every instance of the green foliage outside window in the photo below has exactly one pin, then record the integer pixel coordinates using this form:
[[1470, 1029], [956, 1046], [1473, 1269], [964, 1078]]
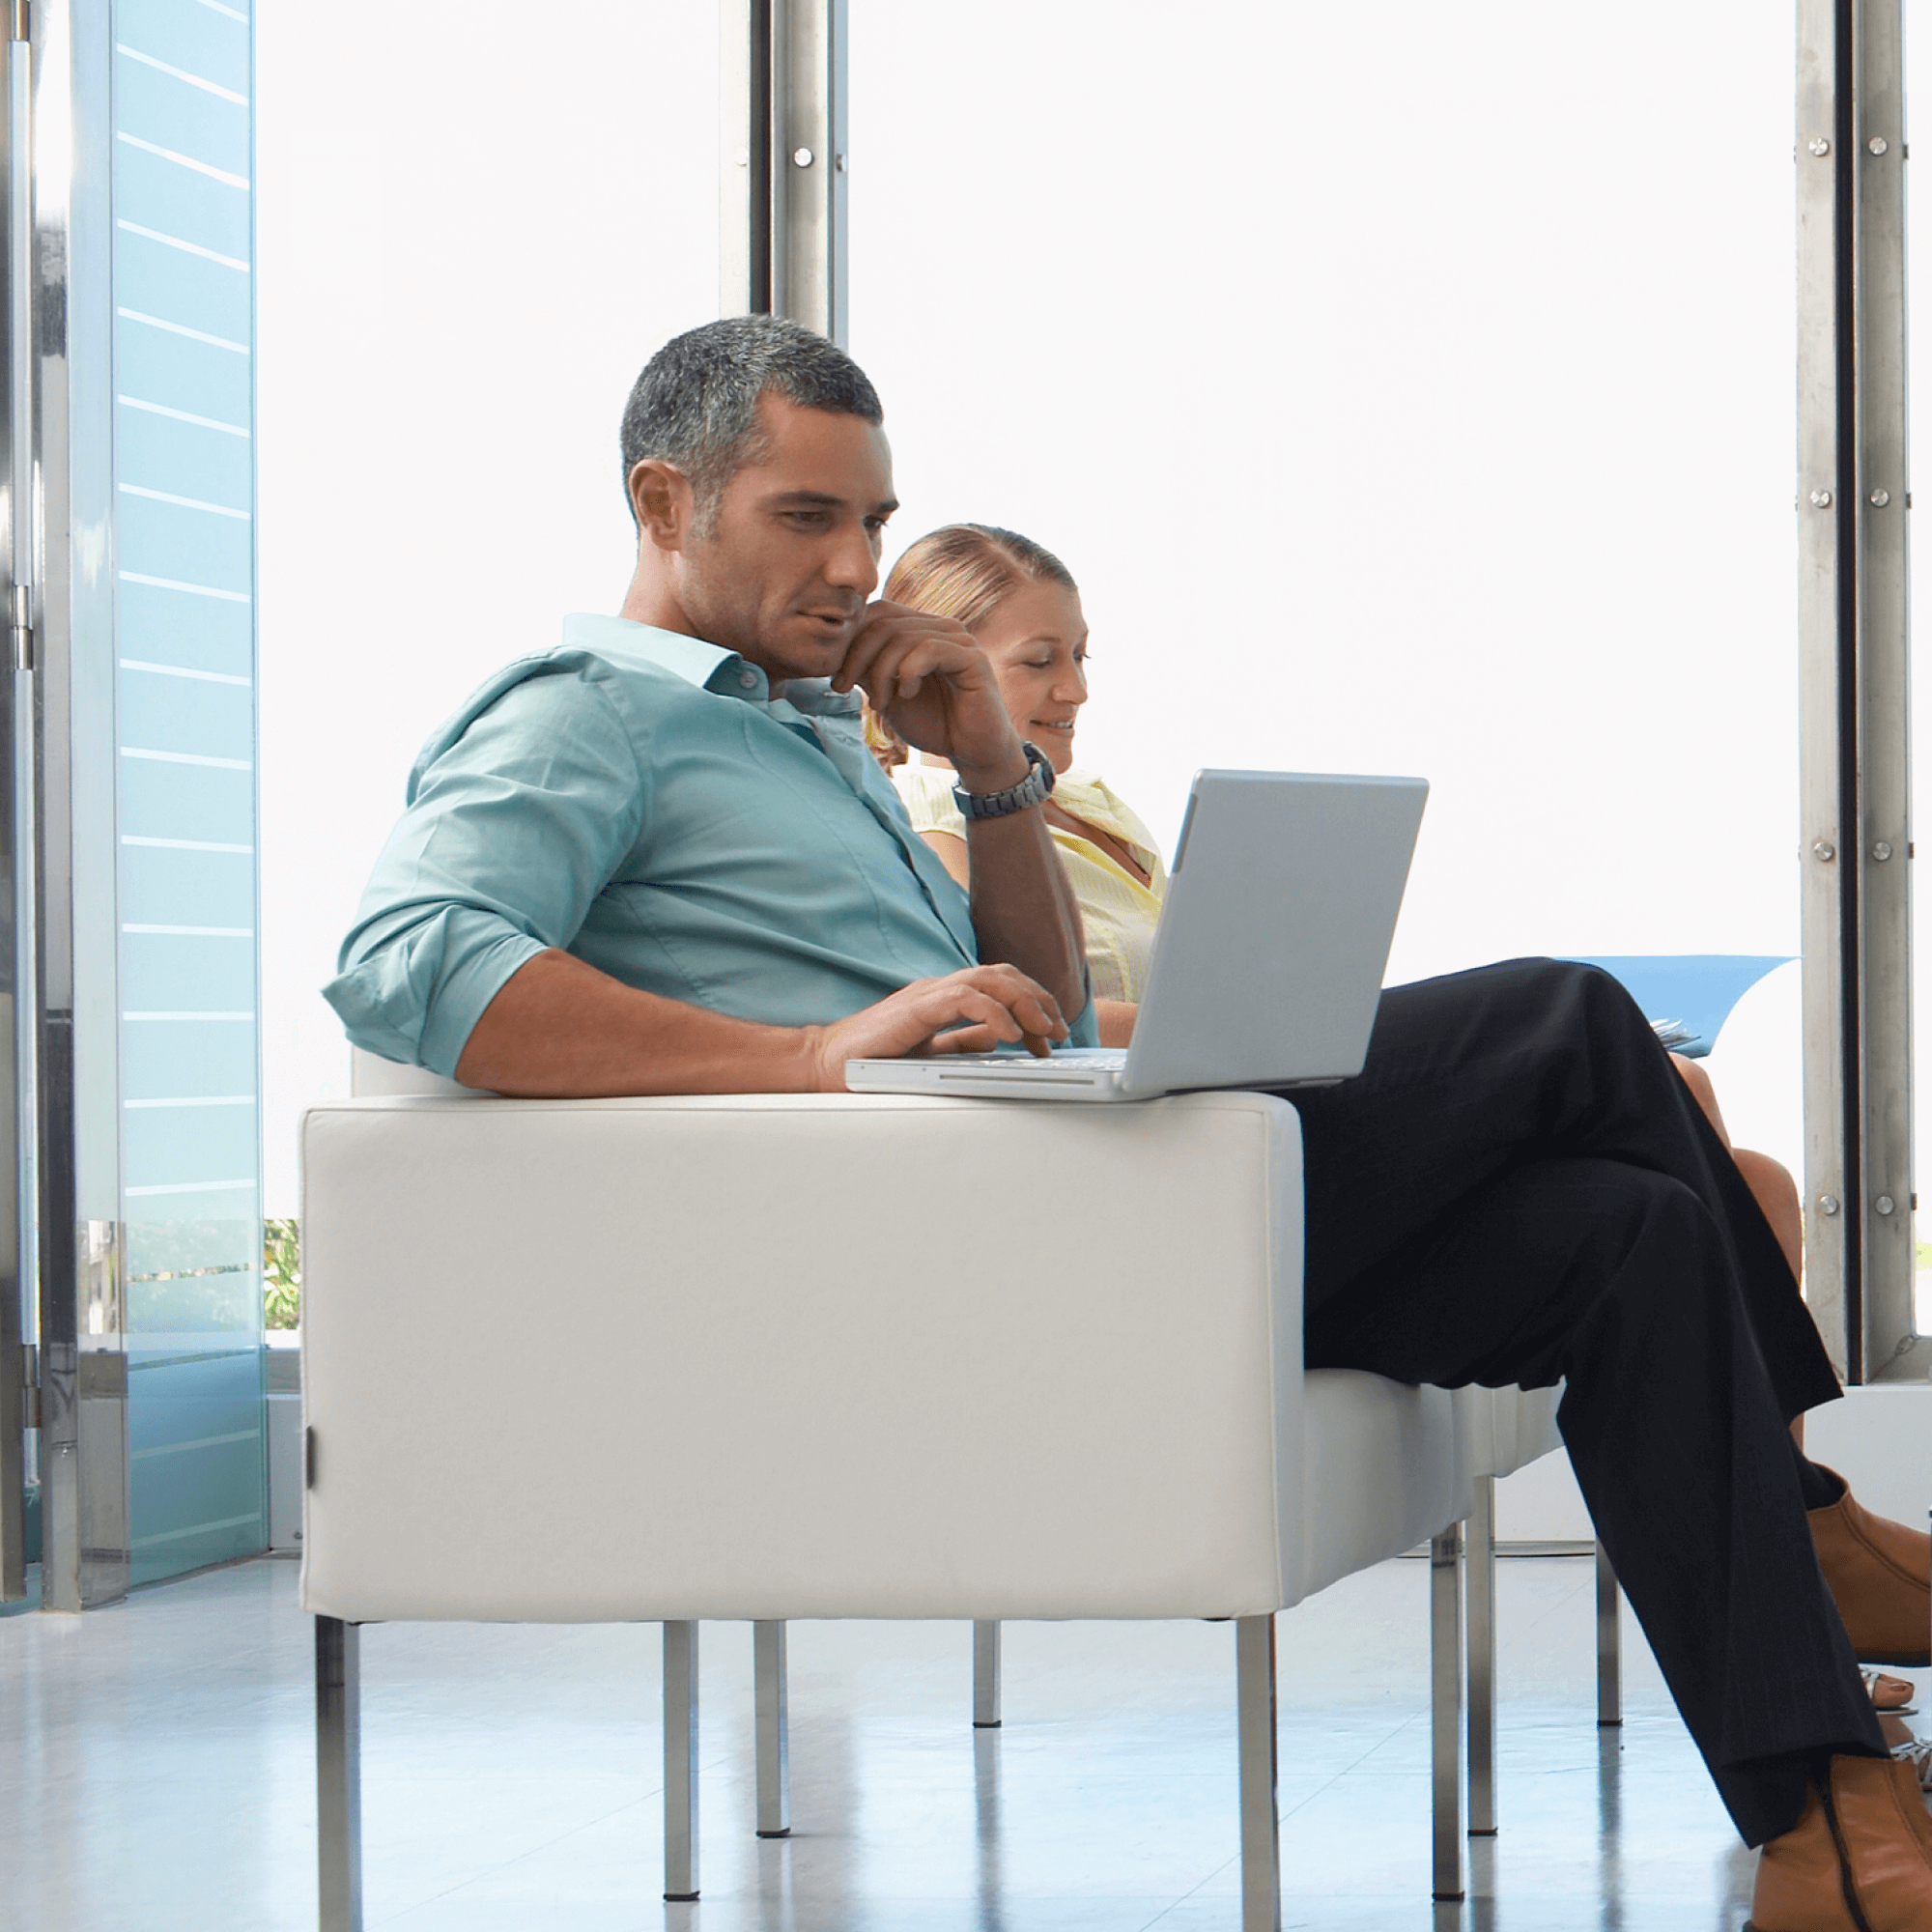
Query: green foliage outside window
[[281, 1275]]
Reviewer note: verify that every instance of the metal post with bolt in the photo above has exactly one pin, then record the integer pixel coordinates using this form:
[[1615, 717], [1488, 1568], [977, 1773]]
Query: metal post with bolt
[[784, 161], [1854, 709]]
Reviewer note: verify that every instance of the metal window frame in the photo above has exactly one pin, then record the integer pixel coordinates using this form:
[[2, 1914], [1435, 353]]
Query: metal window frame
[[784, 161], [1855, 643]]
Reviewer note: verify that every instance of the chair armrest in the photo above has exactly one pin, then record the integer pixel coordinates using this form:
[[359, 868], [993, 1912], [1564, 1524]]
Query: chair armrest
[[776, 1356]]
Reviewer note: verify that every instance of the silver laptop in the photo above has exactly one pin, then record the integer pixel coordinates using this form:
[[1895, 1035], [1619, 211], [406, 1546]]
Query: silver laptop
[[1268, 962]]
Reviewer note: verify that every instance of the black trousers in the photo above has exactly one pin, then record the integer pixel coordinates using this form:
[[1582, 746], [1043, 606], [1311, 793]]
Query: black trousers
[[1519, 1188]]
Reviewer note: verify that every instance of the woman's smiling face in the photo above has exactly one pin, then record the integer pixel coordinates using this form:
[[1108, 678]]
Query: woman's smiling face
[[1036, 641]]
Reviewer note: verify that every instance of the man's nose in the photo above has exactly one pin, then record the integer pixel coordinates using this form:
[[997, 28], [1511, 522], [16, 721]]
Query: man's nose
[[852, 566]]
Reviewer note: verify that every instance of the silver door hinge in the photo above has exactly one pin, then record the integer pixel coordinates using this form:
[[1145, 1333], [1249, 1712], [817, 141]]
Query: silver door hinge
[[24, 627], [30, 1386], [20, 21]]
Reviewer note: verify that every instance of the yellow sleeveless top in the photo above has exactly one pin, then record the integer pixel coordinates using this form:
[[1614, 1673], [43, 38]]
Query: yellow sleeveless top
[[1118, 911]]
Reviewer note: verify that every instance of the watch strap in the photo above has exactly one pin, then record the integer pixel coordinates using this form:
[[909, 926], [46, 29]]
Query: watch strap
[[1036, 788]]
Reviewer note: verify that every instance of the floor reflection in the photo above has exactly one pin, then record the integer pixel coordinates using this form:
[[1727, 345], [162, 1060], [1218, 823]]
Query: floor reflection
[[156, 1771], [986, 1817], [1610, 1825]]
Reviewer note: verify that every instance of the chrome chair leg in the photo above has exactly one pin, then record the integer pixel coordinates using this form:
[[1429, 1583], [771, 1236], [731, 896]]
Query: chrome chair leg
[[985, 1677], [680, 1761], [1446, 1685], [1480, 1597], [1260, 1828], [773, 1746], [338, 1773], [1610, 1643]]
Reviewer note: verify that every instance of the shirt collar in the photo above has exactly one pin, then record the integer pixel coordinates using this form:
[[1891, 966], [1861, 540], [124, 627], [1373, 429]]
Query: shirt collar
[[707, 666], [689, 658]]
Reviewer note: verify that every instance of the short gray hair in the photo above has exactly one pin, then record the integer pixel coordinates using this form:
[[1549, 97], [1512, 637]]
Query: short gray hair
[[695, 406]]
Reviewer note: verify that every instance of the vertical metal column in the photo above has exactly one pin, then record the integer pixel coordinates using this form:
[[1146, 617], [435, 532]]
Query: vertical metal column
[[17, 265], [772, 1747], [1479, 1596], [985, 1676], [1610, 1643], [1853, 493], [680, 1761], [338, 1773], [1445, 1702], [782, 175], [1261, 1826]]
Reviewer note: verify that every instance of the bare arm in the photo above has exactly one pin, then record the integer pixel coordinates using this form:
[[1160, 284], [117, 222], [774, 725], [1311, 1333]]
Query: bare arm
[[932, 684], [1115, 1018], [1024, 909], [561, 1030]]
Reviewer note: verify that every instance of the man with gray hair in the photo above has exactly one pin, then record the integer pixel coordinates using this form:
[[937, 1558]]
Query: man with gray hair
[[659, 859]]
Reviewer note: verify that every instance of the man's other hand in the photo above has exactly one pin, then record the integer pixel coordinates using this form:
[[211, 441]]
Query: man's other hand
[[987, 1004], [934, 686]]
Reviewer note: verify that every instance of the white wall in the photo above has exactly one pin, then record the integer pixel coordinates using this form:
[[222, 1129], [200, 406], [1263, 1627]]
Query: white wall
[[1411, 390], [476, 221]]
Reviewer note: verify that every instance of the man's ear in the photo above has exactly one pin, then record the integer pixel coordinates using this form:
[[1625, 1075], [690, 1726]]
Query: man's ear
[[662, 503]]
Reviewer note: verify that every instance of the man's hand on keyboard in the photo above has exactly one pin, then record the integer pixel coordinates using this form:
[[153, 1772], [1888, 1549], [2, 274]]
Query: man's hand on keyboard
[[970, 1011]]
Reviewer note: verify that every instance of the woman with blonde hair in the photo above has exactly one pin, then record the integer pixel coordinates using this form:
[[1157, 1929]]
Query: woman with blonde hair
[[1023, 608]]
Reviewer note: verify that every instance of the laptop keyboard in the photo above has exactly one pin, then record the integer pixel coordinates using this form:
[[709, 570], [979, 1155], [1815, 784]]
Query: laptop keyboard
[[1089, 1059]]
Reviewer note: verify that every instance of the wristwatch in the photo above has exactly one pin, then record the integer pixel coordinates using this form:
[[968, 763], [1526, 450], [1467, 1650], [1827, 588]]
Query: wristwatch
[[1033, 789]]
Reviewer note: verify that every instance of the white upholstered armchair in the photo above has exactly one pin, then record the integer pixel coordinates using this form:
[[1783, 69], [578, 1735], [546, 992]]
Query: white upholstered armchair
[[838, 1359]]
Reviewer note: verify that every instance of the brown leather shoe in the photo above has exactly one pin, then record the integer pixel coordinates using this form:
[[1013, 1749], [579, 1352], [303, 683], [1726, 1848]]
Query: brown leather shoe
[[1883, 1880], [1880, 1576]]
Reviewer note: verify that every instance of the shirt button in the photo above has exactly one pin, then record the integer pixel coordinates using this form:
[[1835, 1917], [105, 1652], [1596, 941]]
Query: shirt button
[[749, 680]]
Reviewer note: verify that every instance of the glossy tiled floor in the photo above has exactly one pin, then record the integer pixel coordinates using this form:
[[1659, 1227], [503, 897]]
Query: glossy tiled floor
[[156, 1776]]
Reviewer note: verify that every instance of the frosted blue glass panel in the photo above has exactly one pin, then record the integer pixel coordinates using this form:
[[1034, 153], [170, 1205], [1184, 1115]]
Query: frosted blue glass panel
[[196, 1471], [177, 115], [186, 801], [156, 192], [183, 454], [183, 373], [189, 1143], [202, 41], [187, 714], [173, 284], [187, 459], [186, 888], [164, 1056], [168, 972], [158, 538], [178, 628], [186, 1228]]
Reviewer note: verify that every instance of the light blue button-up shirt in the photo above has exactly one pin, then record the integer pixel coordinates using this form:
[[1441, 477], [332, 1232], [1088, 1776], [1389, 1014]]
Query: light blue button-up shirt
[[641, 799]]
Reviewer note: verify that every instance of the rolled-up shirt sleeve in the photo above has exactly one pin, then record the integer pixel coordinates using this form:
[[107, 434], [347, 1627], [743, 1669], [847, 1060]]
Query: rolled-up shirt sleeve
[[513, 828]]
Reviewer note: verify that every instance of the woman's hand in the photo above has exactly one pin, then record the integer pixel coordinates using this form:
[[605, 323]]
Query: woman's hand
[[995, 1003], [936, 688], [1115, 1021]]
